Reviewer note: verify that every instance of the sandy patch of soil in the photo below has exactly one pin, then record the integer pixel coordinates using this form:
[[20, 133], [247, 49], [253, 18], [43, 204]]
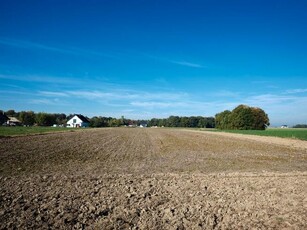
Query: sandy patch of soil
[[151, 179], [293, 143]]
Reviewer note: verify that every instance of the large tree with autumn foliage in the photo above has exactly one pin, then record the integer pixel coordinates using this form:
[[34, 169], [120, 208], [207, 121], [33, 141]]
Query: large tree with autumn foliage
[[242, 117]]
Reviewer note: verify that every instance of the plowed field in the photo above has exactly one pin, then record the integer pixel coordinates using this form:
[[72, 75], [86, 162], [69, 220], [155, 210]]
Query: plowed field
[[133, 178]]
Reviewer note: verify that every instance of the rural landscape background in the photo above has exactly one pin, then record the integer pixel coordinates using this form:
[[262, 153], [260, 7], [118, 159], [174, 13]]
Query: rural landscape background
[[153, 114]]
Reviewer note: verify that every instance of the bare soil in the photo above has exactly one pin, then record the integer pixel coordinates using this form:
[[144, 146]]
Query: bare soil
[[130, 178]]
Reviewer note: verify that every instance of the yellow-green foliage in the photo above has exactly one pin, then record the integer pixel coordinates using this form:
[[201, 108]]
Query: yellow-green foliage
[[242, 117]]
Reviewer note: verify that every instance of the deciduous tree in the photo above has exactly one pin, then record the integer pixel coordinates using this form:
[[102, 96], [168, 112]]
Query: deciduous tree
[[242, 117]]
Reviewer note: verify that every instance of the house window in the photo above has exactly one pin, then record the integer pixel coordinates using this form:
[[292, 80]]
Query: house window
[[74, 120]]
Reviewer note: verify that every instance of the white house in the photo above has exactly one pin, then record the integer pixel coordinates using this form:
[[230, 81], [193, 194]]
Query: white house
[[78, 121]]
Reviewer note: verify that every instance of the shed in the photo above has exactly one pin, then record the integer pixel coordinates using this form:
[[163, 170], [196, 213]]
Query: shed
[[13, 121]]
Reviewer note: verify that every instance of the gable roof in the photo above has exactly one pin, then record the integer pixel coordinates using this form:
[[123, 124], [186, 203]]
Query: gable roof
[[82, 118], [14, 119]]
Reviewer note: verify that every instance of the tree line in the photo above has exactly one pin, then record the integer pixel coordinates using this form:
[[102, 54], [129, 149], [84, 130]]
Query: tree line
[[300, 126], [176, 121], [98, 121], [242, 117], [30, 118]]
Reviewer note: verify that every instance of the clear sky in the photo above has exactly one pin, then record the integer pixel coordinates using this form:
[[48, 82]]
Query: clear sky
[[154, 58]]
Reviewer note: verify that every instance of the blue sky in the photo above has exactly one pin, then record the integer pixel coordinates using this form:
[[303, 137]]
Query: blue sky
[[145, 58]]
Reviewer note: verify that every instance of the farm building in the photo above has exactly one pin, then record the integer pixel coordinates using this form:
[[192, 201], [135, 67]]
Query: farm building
[[13, 121], [78, 121]]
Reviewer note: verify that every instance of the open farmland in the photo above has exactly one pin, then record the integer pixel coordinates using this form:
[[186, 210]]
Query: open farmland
[[128, 178]]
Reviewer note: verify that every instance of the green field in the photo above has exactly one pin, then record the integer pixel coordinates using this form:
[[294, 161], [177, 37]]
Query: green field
[[19, 130], [275, 132]]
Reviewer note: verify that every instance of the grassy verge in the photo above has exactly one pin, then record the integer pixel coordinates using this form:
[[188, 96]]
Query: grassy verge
[[275, 132], [16, 131]]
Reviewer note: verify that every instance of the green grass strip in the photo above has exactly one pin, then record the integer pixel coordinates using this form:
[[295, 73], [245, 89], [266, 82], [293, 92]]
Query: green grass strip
[[19, 130], [274, 132]]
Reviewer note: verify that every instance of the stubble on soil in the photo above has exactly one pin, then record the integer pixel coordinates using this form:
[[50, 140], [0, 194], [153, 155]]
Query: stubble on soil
[[151, 179]]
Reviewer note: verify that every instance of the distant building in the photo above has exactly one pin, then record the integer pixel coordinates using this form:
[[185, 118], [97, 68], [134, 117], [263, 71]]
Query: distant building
[[284, 126], [13, 121], [78, 121]]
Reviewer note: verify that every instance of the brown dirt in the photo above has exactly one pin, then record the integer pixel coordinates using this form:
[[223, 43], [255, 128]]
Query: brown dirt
[[151, 179], [293, 143]]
